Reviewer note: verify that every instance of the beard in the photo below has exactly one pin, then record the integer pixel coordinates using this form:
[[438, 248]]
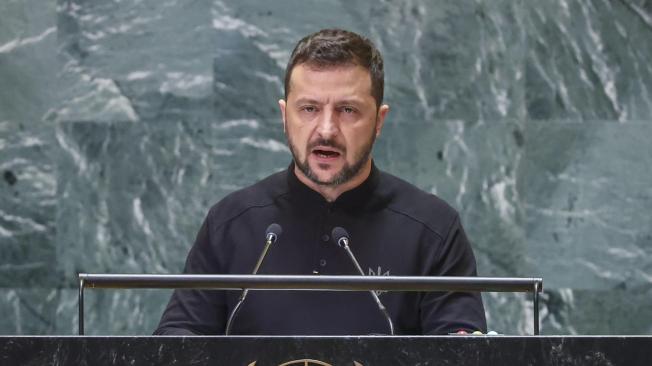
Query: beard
[[348, 171]]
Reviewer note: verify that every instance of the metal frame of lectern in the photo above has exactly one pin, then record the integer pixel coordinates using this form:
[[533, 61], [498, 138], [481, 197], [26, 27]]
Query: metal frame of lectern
[[334, 283]]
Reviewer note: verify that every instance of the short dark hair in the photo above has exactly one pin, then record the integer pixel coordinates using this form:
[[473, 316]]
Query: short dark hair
[[337, 47]]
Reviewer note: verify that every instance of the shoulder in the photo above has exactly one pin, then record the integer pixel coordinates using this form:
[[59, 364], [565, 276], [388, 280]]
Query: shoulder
[[417, 205], [259, 195]]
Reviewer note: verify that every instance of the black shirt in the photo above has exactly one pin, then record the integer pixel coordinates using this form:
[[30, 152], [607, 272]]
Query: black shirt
[[395, 229]]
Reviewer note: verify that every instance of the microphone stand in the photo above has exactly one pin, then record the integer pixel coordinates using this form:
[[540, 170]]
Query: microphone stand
[[344, 242], [271, 238]]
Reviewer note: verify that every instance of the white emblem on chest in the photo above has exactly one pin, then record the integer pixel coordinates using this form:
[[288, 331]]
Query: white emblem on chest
[[378, 272]]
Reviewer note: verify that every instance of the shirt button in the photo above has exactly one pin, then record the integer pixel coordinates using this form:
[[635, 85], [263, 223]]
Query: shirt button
[[322, 262], [325, 238]]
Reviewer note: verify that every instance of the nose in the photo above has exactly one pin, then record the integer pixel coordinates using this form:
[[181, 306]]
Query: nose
[[327, 125]]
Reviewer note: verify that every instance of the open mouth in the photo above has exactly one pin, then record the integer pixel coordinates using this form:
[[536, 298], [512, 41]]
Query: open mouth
[[326, 154]]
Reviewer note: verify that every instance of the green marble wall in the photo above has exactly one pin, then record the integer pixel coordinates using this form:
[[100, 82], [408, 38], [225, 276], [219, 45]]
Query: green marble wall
[[121, 122]]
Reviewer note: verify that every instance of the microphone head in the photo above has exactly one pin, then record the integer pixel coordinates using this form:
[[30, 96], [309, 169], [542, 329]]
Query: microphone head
[[273, 232], [340, 236]]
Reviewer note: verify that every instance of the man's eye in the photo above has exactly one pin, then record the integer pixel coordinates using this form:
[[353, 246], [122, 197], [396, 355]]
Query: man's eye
[[309, 109], [348, 110]]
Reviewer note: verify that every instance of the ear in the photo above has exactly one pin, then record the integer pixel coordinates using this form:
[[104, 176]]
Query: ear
[[281, 105], [380, 118]]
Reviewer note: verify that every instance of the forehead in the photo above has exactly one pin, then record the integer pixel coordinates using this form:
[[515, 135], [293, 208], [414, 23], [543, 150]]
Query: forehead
[[340, 80]]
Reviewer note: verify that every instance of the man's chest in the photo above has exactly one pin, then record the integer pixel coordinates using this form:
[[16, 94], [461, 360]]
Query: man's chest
[[382, 243]]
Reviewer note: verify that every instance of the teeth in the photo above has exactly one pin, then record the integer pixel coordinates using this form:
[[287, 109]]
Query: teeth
[[326, 154]]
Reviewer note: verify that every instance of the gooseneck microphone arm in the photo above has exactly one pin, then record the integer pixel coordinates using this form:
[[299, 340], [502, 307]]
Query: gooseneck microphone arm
[[271, 235], [341, 237]]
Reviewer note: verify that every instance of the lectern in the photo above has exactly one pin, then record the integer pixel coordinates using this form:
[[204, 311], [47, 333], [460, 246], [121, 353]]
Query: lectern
[[318, 350]]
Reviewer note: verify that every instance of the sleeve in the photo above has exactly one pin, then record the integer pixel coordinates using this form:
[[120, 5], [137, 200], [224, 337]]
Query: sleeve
[[448, 312], [196, 312]]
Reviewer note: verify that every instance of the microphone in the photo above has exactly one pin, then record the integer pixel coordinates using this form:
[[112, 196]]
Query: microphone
[[341, 237], [271, 236]]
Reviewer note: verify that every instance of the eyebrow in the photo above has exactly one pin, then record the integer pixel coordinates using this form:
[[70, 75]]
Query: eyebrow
[[353, 101], [307, 101]]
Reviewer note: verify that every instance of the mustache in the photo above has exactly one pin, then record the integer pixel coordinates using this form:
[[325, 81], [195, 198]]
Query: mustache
[[328, 143]]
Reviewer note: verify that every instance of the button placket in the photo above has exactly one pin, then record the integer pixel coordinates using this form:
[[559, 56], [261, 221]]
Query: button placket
[[323, 239]]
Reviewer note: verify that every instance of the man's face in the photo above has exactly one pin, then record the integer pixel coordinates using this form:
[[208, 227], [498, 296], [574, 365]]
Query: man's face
[[331, 122]]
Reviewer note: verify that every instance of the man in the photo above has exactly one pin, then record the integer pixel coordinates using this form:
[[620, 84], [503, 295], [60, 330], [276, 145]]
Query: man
[[332, 113]]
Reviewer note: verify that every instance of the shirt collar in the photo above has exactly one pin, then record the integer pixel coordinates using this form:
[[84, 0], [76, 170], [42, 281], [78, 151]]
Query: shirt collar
[[353, 199]]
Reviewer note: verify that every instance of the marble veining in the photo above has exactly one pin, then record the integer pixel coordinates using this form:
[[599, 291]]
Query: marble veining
[[122, 122]]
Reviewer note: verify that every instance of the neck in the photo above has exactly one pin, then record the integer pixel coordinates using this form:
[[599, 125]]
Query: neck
[[330, 193]]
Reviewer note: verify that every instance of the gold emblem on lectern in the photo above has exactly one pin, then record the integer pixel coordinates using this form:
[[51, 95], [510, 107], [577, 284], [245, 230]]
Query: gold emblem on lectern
[[307, 362]]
